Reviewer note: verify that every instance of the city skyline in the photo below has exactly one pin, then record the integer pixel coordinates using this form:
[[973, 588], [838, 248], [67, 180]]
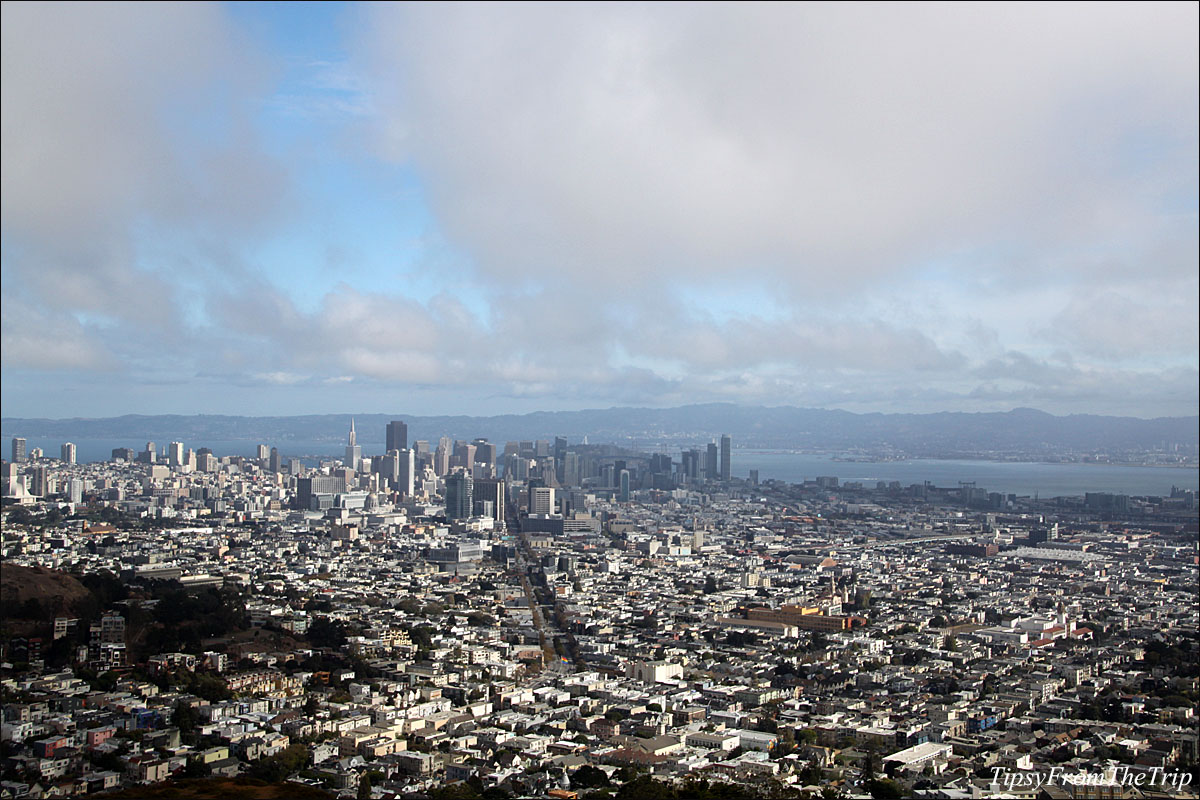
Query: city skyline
[[303, 208]]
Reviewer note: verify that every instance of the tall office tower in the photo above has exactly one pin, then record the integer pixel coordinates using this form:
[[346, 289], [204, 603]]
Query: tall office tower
[[541, 500], [485, 453], [560, 454], [406, 478], [263, 452], [150, 454], [711, 463], [572, 474], [396, 436], [293, 467], [68, 452], [75, 490], [548, 469], [516, 468], [206, 461], [10, 475], [490, 493], [175, 454], [274, 462], [18, 450], [690, 465], [459, 491], [623, 492], [608, 475], [421, 447], [39, 482], [464, 455], [310, 488], [353, 451], [441, 459], [388, 468], [541, 448], [123, 454], [726, 446]]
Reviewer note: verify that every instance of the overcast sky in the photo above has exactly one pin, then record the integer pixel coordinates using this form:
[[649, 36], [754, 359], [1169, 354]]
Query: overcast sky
[[315, 208]]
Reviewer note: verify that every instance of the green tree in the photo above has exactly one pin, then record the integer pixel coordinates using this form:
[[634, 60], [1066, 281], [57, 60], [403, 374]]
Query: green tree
[[105, 681], [644, 787], [196, 768], [455, 791], [324, 632], [422, 637], [184, 717], [884, 789], [277, 768], [589, 777]]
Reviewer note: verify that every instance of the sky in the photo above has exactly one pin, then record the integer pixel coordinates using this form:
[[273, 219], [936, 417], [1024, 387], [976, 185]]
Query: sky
[[480, 209]]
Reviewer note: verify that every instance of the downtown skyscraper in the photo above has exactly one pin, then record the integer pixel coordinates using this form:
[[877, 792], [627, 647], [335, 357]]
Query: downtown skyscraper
[[396, 436]]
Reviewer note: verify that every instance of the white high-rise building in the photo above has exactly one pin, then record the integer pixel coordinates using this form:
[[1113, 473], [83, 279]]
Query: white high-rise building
[[353, 451], [408, 469], [68, 452], [572, 469], [541, 500]]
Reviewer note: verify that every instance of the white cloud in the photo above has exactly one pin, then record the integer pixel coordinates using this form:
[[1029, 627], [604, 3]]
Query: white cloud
[[120, 120], [1132, 322], [280, 378], [34, 339], [616, 145], [915, 207]]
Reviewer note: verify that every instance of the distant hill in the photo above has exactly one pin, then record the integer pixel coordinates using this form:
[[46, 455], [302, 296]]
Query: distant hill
[[1020, 431]]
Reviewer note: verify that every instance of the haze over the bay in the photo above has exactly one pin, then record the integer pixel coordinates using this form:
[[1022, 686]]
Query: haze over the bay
[[286, 209]]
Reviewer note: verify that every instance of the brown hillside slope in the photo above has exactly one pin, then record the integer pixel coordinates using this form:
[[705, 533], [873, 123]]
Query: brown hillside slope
[[56, 592], [221, 788]]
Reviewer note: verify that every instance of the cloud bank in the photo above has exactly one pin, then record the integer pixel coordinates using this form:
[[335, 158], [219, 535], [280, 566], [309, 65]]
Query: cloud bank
[[878, 207]]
